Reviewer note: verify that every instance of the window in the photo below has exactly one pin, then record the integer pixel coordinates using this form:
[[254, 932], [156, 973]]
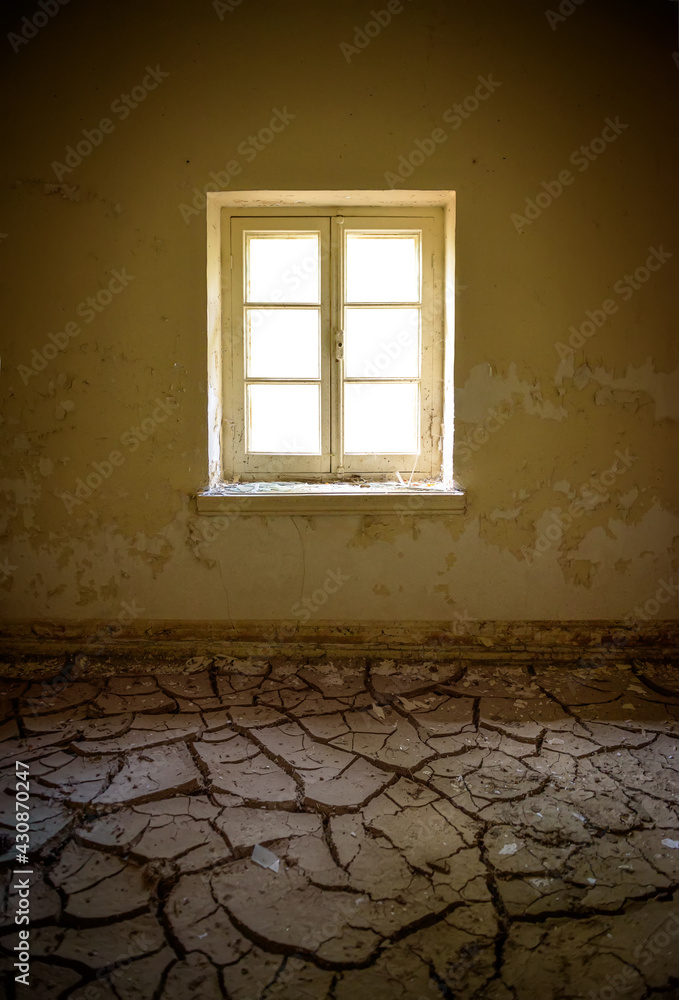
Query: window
[[328, 354]]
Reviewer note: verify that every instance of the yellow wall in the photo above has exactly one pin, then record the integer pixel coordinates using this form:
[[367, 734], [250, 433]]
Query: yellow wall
[[64, 232]]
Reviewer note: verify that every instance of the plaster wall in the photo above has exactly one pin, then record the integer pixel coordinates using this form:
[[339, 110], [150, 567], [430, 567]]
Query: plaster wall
[[593, 422]]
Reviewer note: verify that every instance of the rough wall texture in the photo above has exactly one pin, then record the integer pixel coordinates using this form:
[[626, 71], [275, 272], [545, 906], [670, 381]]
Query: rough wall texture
[[566, 367]]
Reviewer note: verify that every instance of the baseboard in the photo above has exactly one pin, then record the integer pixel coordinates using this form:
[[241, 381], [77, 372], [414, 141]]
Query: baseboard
[[42, 647]]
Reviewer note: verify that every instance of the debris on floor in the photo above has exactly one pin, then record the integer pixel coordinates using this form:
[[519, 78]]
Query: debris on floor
[[493, 832], [267, 859]]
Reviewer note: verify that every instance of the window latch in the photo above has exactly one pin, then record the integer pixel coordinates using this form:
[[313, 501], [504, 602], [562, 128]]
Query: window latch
[[339, 345]]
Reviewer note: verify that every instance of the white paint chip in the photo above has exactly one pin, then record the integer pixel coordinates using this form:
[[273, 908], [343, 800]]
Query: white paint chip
[[265, 858]]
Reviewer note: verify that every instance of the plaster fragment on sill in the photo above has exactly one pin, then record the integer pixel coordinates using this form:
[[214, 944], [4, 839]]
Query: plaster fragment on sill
[[271, 488]]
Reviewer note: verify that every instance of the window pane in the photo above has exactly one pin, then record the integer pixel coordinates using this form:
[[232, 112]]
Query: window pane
[[283, 343], [382, 343], [284, 419], [382, 268], [381, 418], [283, 268]]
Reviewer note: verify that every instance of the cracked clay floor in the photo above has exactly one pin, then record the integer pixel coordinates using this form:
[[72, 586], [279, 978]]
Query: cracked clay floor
[[445, 830]]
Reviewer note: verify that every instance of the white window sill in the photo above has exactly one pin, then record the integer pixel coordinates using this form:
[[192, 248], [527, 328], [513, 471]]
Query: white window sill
[[330, 498]]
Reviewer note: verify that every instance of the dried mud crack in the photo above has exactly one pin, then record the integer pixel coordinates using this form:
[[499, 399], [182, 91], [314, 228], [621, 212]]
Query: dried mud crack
[[443, 829]]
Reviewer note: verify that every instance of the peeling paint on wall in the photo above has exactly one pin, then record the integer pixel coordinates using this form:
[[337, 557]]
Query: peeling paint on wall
[[558, 524]]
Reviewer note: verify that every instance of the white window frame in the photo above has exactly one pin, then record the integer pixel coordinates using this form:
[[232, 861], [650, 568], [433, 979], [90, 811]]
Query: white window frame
[[255, 466], [345, 209]]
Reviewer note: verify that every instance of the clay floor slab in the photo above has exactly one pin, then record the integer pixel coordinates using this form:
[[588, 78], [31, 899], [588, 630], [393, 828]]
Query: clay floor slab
[[437, 829]]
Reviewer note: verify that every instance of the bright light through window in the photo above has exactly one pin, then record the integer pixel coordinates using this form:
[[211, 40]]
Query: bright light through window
[[381, 418], [284, 419], [332, 365], [283, 268], [382, 268], [382, 343], [283, 343]]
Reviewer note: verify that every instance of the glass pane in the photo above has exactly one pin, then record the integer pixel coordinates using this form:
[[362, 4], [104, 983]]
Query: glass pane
[[285, 419], [382, 268], [382, 343], [283, 268], [381, 418], [283, 343]]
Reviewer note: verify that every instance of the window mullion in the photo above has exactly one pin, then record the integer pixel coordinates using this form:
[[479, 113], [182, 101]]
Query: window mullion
[[336, 361]]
